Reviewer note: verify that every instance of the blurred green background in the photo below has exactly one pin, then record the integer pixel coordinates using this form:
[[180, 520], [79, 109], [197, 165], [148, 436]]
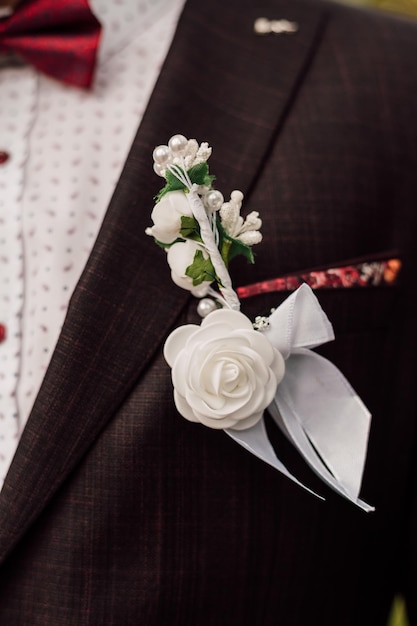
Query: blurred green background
[[406, 7], [398, 615]]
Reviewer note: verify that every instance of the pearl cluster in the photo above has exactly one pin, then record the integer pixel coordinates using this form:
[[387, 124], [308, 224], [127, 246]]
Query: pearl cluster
[[180, 151], [186, 153], [165, 155]]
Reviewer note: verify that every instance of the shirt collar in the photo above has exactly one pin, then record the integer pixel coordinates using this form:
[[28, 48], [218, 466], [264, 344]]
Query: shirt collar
[[125, 20]]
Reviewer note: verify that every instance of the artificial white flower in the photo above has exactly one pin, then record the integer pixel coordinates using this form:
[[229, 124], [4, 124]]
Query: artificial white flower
[[180, 256], [225, 374], [166, 216]]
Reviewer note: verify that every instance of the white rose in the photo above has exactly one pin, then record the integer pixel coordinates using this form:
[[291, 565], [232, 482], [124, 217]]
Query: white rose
[[166, 216], [180, 256], [224, 372]]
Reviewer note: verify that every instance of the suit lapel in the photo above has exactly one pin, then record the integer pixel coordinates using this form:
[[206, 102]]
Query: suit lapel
[[218, 84]]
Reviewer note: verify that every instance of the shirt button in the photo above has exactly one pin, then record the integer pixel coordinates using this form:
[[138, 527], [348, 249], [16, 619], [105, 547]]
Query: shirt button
[[4, 156], [2, 333]]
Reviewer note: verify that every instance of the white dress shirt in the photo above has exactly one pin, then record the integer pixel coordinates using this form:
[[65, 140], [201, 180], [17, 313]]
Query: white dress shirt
[[62, 150]]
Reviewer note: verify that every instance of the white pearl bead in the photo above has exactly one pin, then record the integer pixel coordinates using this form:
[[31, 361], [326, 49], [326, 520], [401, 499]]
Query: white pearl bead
[[178, 144], [213, 200], [162, 155], [158, 169], [206, 306]]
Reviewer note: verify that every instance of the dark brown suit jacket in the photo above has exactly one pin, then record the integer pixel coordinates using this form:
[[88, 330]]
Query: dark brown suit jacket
[[116, 511]]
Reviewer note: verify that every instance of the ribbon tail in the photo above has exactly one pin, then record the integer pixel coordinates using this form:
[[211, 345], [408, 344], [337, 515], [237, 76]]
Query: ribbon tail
[[255, 440], [323, 417], [297, 436]]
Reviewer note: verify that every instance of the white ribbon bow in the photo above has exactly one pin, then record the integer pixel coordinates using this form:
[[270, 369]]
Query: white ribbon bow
[[315, 406]]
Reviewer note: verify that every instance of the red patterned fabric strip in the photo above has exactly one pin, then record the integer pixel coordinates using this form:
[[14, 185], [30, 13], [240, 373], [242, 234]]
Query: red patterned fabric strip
[[370, 274], [58, 38]]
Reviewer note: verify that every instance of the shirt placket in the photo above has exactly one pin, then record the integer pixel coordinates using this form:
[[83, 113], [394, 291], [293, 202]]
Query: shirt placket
[[18, 94]]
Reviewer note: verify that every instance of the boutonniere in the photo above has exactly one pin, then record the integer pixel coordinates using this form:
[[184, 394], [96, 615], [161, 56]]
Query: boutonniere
[[229, 370]]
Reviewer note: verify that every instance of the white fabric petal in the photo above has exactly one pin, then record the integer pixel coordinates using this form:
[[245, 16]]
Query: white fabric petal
[[234, 319], [176, 341]]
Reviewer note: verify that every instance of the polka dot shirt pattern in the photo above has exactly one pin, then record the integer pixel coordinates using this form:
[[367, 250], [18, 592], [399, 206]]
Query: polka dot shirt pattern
[[63, 150]]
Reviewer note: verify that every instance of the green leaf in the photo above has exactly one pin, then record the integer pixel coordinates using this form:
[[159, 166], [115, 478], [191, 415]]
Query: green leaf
[[173, 184], [230, 247], [190, 228], [199, 174], [201, 269]]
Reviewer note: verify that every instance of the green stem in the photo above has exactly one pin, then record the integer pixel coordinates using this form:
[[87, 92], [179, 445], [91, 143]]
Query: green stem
[[225, 250]]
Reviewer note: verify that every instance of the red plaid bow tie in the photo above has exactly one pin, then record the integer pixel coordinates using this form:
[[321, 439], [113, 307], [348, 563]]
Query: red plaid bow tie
[[58, 37]]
